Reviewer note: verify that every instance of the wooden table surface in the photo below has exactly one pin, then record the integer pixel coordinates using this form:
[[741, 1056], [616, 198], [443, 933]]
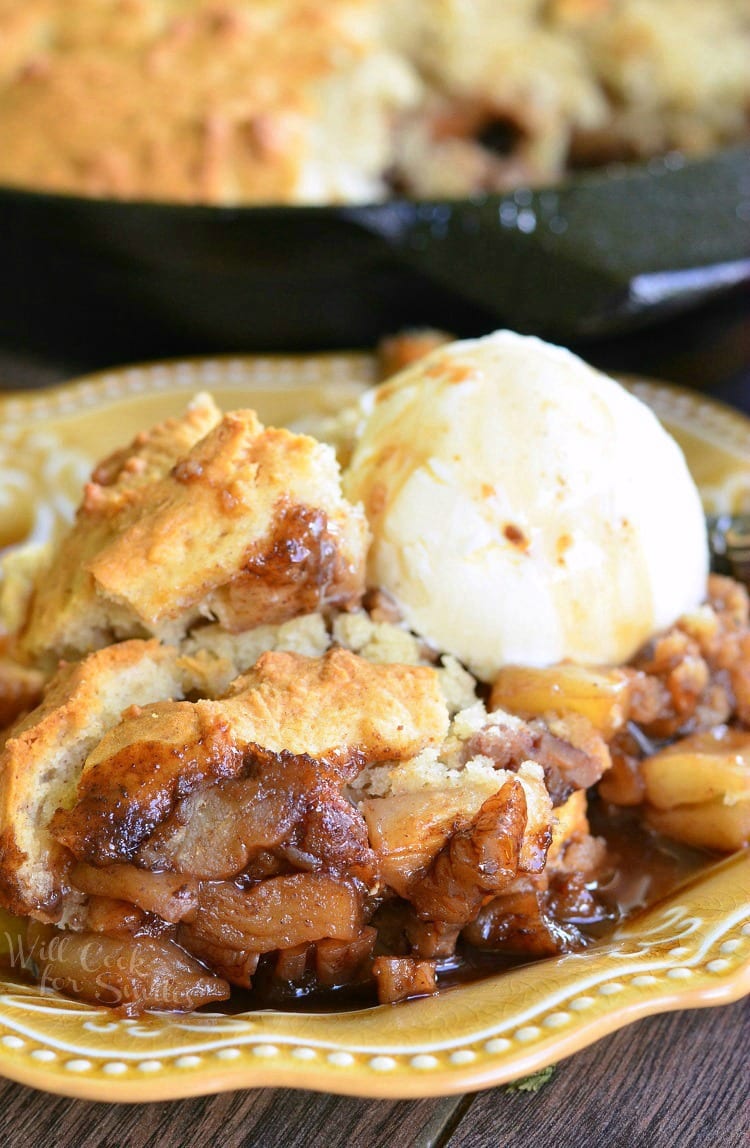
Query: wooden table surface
[[681, 1080]]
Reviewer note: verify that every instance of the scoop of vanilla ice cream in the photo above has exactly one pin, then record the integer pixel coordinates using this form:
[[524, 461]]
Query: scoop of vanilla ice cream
[[526, 508]]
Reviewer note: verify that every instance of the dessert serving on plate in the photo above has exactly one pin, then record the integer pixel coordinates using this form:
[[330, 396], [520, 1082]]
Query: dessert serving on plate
[[344, 735], [297, 101]]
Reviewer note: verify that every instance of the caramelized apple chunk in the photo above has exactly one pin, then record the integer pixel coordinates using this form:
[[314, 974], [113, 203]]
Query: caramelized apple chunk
[[213, 833], [399, 978], [129, 973], [408, 830], [601, 695], [709, 825], [237, 966], [277, 913], [291, 964], [109, 915], [432, 940], [518, 922], [623, 784], [344, 962], [331, 835], [700, 768], [171, 896], [476, 862], [698, 789]]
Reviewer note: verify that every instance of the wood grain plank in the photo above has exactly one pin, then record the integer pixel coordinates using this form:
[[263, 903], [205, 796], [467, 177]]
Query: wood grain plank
[[269, 1118], [676, 1081]]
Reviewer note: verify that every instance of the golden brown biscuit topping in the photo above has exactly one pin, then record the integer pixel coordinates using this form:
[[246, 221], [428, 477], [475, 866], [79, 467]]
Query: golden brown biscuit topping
[[206, 517]]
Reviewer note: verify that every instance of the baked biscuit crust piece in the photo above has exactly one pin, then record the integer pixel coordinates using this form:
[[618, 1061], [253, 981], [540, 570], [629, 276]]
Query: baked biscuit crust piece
[[217, 101], [339, 708], [248, 526], [66, 616], [43, 756]]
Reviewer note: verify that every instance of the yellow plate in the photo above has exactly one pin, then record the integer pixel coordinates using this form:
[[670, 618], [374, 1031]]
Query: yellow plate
[[691, 950]]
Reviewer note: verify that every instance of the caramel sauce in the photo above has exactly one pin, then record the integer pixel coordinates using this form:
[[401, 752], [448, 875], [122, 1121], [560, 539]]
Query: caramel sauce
[[645, 866], [298, 569]]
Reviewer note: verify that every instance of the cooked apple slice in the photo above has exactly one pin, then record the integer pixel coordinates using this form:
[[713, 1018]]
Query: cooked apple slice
[[704, 767], [601, 695], [710, 825]]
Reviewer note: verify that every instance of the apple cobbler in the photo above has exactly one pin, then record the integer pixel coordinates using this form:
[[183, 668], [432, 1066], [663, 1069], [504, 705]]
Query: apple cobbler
[[235, 767], [298, 101]]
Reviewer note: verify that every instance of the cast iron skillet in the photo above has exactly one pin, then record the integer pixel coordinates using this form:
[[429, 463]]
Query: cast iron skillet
[[599, 254]]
